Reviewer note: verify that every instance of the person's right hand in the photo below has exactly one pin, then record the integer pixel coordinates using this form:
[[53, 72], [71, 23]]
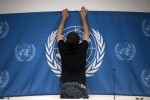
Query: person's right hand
[[65, 14], [83, 12]]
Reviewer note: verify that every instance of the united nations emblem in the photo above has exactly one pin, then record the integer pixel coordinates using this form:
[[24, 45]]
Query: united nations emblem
[[4, 78], [95, 51], [145, 76], [25, 52], [146, 27], [4, 28], [125, 51]]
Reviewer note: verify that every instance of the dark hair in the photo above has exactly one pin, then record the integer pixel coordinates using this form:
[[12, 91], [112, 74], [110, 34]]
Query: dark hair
[[73, 40]]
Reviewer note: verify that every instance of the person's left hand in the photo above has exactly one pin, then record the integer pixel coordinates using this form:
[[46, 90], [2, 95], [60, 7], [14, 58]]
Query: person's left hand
[[65, 14], [83, 12]]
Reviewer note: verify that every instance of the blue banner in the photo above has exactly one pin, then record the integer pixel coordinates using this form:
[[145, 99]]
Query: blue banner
[[118, 57]]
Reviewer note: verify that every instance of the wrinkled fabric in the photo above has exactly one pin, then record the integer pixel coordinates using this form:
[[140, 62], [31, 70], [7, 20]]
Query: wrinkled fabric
[[118, 57]]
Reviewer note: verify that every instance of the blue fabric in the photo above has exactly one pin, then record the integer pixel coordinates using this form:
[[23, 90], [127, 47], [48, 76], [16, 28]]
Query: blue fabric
[[117, 59]]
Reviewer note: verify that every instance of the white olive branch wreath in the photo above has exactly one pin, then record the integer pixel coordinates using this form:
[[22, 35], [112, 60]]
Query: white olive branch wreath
[[7, 29], [5, 76], [92, 68]]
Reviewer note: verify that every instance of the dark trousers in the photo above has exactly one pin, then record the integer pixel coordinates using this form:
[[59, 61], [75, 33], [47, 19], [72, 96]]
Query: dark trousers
[[73, 90]]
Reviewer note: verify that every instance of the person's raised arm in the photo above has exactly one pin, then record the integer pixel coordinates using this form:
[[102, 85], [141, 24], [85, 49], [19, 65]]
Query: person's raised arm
[[65, 15], [83, 14]]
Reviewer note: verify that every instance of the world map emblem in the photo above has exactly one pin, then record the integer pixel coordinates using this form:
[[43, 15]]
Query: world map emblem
[[146, 27], [25, 52], [145, 76], [125, 51], [95, 51], [4, 78], [4, 28]]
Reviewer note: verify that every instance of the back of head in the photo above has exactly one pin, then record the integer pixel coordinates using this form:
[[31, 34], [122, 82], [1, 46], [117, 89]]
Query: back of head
[[73, 40]]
